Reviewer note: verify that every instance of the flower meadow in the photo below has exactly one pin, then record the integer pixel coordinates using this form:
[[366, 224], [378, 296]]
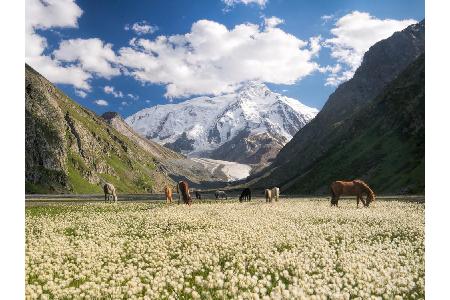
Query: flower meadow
[[292, 249]]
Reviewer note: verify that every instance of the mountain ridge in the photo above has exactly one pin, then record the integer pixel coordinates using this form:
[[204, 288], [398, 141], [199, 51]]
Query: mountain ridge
[[381, 64], [386, 150], [201, 126], [69, 149]]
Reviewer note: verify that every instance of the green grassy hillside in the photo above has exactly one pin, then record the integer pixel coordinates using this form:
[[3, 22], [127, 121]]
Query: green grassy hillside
[[69, 149], [382, 143]]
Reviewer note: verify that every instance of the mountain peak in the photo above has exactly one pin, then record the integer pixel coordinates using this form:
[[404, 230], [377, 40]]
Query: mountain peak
[[200, 126], [254, 88], [110, 115]]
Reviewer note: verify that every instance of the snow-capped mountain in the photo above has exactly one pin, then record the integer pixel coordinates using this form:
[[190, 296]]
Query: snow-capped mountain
[[249, 126]]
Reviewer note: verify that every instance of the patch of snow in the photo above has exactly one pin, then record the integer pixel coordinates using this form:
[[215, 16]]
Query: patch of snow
[[233, 170]]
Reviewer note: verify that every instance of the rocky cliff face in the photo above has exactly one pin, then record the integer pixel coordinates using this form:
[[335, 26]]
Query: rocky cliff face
[[153, 148], [382, 63], [69, 149], [248, 126]]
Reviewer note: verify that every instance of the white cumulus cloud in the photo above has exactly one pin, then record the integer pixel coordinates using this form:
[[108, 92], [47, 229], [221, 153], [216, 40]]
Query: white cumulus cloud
[[326, 18], [81, 93], [101, 102], [132, 96], [212, 59], [112, 91], [273, 21], [230, 3], [92, 54], [142, 28], [353, 34], [46, 14]]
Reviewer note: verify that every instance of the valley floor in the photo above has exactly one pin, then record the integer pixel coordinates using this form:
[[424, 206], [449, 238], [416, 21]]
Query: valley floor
[[294, 248]]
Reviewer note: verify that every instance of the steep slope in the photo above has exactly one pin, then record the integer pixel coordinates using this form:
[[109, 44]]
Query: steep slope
[[198, 172], [151, 147], [381, 64], [383, 143], [68, 149], [248, 126]]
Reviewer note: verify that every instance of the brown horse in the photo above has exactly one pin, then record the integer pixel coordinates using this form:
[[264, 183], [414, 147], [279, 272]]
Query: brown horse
[[183, 187], [351, 188], [168, 192]]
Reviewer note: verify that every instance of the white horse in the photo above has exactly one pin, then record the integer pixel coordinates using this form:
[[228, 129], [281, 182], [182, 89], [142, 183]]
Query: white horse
[[110, 191], [275, 193], [268, 194], [220, 194]]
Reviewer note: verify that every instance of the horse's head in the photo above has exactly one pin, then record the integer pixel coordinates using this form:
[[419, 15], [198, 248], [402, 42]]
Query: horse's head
[[370, 197]]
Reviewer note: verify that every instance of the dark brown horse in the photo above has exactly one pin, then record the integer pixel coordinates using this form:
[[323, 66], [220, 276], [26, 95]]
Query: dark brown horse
[[245, 195], [183, 187], [351, 188]]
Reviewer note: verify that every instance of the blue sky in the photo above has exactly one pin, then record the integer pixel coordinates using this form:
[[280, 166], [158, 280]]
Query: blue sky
[[331, 36]]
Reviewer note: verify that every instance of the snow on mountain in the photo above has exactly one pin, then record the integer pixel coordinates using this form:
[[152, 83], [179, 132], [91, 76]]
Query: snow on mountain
[[202, 125], [232, 170]]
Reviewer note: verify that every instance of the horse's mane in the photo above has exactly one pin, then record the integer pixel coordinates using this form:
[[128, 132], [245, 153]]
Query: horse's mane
[[371, 194]]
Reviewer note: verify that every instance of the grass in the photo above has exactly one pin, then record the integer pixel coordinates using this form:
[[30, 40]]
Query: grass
[[79, 184], [131, 169]]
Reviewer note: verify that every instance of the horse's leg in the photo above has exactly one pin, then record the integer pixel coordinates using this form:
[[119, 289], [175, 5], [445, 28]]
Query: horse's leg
[[362, 200], [357, 201], [105, 198], [365, 202]]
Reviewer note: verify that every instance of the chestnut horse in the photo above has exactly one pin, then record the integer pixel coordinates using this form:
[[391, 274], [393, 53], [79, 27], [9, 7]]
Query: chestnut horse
[[351, 188], [183, 189], [168, 192]]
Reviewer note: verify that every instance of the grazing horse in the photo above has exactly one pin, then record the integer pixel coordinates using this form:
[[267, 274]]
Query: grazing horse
[[183, 189], [110, 191], [246, 195], [268, 194], [198, 196], [351, 188], [168, 192], [275, 193], [220, 194]]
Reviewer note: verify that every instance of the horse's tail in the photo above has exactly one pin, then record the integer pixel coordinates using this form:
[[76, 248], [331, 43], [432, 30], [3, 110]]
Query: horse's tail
[[333, 194]]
